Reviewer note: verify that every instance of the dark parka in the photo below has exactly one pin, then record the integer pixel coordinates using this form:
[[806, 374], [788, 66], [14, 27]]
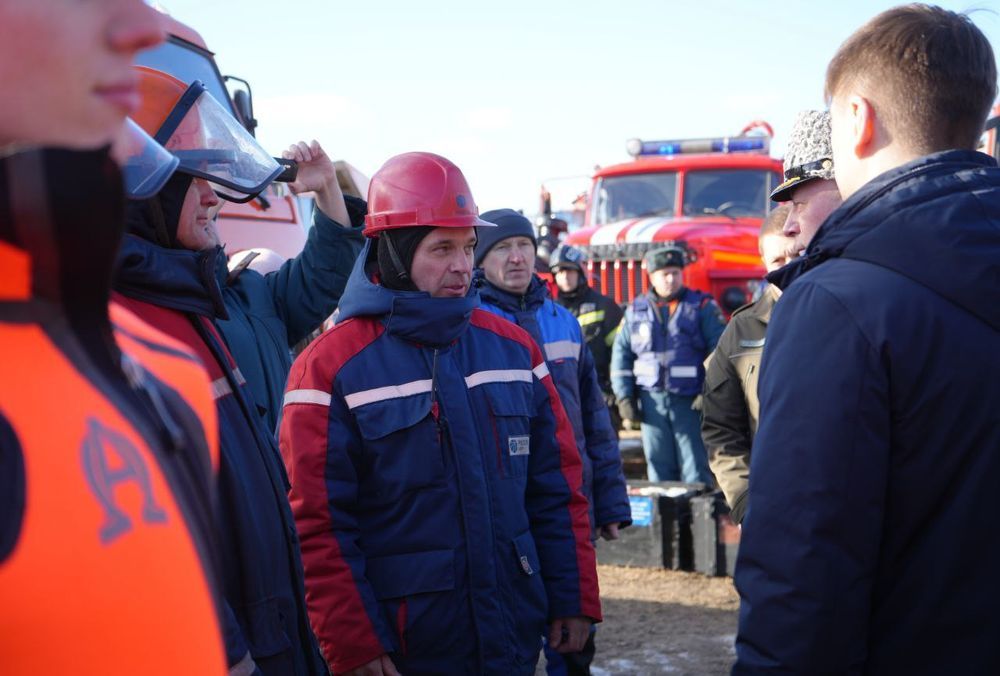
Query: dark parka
[[867, 544], [599, 318], [269, 314], [179, 292], [436, 486], [729, 406]]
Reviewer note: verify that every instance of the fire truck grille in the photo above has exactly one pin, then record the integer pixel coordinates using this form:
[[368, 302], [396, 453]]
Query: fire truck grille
[[617, 270]]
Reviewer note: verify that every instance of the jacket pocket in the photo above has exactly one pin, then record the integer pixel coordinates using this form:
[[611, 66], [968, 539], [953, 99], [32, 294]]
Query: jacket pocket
[[510, 427], [414, 592], [530, 604], [401, 444], [404, 575], [527, 554], [265, 629]]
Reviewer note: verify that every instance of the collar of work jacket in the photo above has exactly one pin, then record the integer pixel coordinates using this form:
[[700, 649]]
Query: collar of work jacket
[[932, 220], [525, 308], [188, 281], [411, 315]]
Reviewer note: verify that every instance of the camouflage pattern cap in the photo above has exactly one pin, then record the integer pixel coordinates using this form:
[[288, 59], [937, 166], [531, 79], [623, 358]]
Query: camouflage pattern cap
[[809, 154]]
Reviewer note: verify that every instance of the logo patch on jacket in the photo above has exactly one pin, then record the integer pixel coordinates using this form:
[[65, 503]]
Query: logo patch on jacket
[[109, 459], [519, 445]]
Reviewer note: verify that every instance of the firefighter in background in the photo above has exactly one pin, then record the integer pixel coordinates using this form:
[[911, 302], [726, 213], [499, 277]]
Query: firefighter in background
[[172, 273], [550, 233], [106, 535], [435, 478], [657, 368], [598, 315]]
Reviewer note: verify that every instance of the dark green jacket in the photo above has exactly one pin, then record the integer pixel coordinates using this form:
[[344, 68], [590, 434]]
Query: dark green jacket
[[729, 399], [269, 314]]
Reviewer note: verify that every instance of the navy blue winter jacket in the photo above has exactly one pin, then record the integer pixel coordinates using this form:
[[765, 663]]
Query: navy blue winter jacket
[[868, 546], [436, 487], [269, 314], [571, 364], [178, 292]]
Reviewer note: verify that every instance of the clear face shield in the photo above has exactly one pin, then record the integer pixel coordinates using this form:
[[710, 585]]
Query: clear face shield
[[211, 144], [146, 165]]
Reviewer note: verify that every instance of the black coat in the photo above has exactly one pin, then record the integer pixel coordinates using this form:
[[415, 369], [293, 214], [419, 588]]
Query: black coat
[[599, 318], [867, 546]]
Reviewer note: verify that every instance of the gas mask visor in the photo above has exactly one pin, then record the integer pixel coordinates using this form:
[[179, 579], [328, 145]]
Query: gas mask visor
[[211, 144]]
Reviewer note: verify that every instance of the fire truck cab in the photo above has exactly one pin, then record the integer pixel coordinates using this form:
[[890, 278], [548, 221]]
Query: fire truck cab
[[707, 196]]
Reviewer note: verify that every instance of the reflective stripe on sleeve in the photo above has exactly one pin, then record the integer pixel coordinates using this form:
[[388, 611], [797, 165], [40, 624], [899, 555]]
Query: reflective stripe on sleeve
[[541, 371], [591, 317], [609, 340], [307, 397]]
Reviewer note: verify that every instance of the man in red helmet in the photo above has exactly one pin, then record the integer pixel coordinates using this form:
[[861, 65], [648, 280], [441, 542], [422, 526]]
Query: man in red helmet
[[434, 475]]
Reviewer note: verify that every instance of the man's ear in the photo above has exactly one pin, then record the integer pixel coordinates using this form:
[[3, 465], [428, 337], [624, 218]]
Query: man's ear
[[862, 114]]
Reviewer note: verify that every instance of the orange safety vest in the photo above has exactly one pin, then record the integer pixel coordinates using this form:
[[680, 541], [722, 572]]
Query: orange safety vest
[[107, 571]]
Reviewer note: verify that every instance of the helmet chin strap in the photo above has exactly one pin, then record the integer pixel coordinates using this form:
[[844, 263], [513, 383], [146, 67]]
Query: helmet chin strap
[[397, 262]]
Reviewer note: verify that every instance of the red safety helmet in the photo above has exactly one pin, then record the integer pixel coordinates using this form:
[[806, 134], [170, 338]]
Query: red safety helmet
[[420, 189]]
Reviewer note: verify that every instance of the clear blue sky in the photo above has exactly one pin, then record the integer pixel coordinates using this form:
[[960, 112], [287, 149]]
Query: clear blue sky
[[516, 92]]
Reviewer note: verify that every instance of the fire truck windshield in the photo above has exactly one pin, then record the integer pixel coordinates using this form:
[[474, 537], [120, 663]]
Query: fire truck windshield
[[187, 62], [729, 192], [634, 196]]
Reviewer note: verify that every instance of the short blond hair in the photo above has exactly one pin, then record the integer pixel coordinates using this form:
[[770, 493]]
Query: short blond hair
[[774, 222], [930, 73]]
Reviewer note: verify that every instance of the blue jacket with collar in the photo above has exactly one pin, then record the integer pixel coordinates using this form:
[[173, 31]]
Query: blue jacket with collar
[[571, 364], [436, 487], [873, 475]]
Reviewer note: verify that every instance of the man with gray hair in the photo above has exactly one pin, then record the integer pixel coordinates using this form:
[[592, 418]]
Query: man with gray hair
[[730, 407], [809, 183]]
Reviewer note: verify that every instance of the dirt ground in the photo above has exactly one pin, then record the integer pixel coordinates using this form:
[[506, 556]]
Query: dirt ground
[[664, 622], [660, 621]]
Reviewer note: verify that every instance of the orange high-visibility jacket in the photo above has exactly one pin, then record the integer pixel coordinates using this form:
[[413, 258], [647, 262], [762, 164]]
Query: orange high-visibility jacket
[[106, 556]]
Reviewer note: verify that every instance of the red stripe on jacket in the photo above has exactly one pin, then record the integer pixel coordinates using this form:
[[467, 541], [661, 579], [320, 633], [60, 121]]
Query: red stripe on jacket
[[570, 463], [336, 609]]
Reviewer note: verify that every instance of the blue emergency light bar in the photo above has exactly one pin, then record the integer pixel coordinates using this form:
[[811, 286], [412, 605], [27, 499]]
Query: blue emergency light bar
[[702, 146]]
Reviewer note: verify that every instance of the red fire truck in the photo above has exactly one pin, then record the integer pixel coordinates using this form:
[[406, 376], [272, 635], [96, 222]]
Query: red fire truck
[[707, 196]]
